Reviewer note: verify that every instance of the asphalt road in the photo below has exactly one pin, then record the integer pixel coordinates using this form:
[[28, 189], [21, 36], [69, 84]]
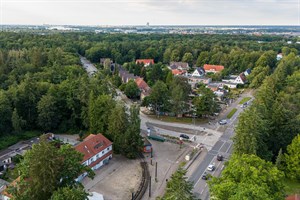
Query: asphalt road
[[224, 147]]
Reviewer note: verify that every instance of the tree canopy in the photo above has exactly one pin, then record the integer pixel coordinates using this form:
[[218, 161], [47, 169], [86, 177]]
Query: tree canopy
[[248, 177]]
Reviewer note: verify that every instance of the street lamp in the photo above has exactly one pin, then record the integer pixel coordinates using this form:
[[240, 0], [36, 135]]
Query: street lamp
[[194, 119]]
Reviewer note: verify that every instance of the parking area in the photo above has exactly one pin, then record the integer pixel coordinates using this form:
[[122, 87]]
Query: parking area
[[117, 180]]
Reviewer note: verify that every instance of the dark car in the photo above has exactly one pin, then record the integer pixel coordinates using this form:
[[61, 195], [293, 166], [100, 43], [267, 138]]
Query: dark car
[[219, 157], [205, 176], [184, 136]]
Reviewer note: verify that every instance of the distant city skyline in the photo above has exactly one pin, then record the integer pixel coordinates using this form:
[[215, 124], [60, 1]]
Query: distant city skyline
[[156, 12]]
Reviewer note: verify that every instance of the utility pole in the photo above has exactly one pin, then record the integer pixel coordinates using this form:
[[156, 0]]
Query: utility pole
[[150, 187], [156, 171]]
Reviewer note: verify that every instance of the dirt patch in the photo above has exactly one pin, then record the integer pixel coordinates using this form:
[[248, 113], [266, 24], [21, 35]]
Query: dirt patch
[[118, 180]]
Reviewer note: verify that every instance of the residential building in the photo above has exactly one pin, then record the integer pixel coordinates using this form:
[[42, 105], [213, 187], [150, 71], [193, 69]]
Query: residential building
[[214, 86], [143, 86], [199, 71], [5, 195], [213, 68], [194, 80], [97, 151], [177, 72], [104, 61], [228, 84], [126, 76], [240, 79], [146, 62], [247, 72], [179, 66], [279, 56]]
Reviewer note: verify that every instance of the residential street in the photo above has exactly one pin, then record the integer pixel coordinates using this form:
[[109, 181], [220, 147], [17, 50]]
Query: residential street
[[223, 146]]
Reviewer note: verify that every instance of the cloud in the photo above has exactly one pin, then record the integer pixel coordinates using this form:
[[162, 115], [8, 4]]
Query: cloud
[[118, 12]]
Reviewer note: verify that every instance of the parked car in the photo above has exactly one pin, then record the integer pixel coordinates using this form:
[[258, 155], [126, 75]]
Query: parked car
[[184, 136], [223, 122], [219, 157], [205, 176], [211, 167]]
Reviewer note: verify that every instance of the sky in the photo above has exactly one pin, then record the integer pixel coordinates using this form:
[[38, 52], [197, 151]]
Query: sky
[[156, 12]]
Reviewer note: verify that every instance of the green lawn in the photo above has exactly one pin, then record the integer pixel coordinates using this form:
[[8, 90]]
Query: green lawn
[[8, 140], [231, 113], [292, 187], [183, 120], [244, 100]]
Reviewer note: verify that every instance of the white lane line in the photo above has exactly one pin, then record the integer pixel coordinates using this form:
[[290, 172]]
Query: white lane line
[[221, 146], [217, 168], [228, 148]]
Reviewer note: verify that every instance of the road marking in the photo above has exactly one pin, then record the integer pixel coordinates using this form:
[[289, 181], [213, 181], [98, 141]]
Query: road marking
[[217, 168], [221, 146], [228, 148], [222, 167], [202, 192]]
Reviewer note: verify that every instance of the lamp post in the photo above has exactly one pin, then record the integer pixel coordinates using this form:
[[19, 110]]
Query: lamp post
[[194, 118]]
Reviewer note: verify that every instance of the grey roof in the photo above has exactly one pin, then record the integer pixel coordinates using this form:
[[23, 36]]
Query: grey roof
[[176, 65], [200, 70]]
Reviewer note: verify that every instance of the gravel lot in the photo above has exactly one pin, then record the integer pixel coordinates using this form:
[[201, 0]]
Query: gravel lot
[[168, 157], [117, 180]]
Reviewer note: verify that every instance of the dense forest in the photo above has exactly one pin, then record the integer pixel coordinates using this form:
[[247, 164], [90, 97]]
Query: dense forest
[[43, 86]]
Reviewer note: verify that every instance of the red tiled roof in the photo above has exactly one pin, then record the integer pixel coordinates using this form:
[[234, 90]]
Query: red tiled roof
[[243, 77], [216, 68], [92, 145], [145, 61], [142, 84], [178, 72], [293, 197]]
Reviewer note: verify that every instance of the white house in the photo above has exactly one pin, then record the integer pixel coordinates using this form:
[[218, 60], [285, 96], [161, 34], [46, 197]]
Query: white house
[[240, 79], [279, 56], [198, 72], [97, 151]]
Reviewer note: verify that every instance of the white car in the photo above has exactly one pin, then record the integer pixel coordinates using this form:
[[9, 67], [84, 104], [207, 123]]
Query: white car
[[211, 168], [223, 122]]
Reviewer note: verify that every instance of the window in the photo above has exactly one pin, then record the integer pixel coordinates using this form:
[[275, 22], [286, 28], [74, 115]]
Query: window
[[107, 148], [102, 152]]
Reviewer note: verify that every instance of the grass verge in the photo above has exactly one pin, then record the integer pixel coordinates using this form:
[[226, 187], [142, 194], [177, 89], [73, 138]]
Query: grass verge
[[244, 100], [231, 113], [292, 187], [183, 120]]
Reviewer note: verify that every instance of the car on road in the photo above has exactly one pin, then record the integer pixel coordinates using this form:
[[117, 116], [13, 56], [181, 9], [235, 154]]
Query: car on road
[[205, 176], [223, 122], [219, 157], [244, 105], [184, 136], [211, 167]]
